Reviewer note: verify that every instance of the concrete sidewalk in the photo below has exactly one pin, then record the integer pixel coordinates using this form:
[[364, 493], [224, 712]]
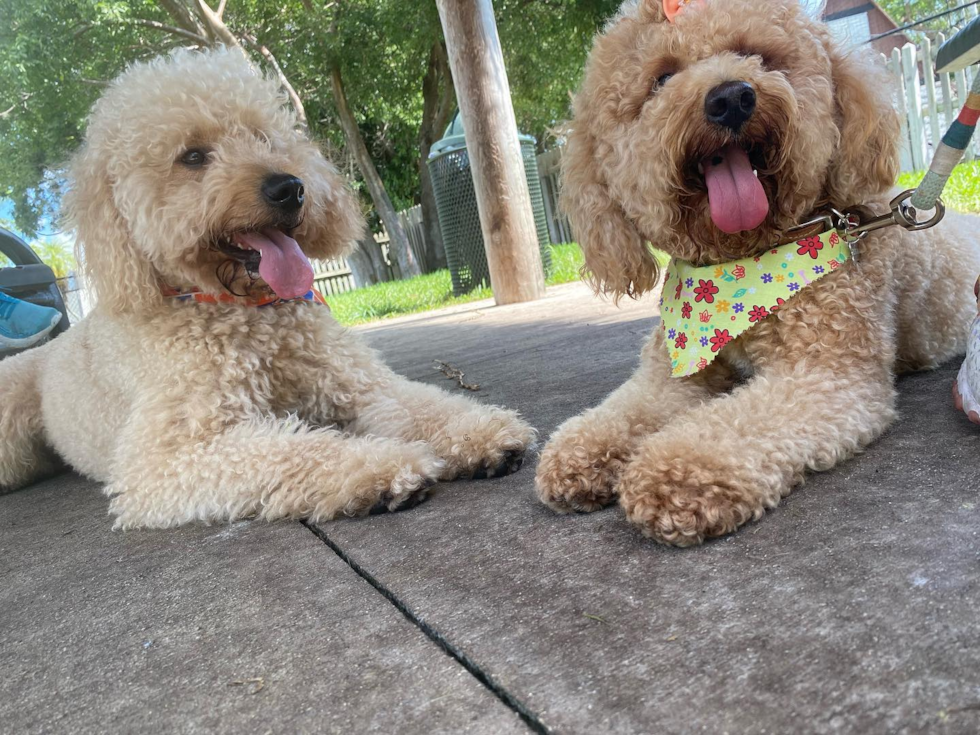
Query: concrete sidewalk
[[851, 608]]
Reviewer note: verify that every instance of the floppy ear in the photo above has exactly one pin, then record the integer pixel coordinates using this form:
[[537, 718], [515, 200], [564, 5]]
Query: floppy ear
[[334, 221], [121, 276], [866, 161], [617, 260]]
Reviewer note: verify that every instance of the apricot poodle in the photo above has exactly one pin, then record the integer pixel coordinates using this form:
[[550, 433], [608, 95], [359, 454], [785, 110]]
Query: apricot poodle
[[208, 383], [709, 137]]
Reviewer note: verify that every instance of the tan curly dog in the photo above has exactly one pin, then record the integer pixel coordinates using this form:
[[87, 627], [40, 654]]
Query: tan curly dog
[[194, 197], [695, 457]]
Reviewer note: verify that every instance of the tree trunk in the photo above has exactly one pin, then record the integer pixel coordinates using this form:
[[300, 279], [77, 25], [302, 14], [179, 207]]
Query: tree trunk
[[362, 266], [438, 101], [502, 194], [399, 244]]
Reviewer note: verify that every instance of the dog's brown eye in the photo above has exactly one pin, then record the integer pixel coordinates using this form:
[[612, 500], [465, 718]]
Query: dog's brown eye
[[769, 61], [194, 157], [661, 81]]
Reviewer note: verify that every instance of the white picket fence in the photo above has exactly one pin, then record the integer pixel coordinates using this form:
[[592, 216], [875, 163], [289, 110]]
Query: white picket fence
[[927, 102]]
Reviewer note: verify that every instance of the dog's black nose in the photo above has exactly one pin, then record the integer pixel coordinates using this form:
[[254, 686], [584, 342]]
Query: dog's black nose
[[283, 191], [730, 104]]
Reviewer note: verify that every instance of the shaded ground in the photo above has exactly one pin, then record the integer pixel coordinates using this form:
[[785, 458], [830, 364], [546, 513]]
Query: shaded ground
[[852, 608]]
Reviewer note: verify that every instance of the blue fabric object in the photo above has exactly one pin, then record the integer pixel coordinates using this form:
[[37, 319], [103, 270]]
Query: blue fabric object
[[23, 324]]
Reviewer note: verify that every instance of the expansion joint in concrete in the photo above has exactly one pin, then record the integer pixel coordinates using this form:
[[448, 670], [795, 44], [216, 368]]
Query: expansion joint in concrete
[[495, 688]]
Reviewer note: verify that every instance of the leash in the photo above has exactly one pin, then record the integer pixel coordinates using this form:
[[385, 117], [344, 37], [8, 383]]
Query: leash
[[950, 151], [904, 209]]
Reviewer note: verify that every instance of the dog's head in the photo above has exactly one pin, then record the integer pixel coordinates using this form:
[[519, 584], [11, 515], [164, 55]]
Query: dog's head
[[710, 135], [193, 173]]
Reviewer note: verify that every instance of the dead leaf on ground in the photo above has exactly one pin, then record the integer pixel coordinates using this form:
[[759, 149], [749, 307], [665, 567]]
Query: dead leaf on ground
[[454, 373], [594, 617], [258, 684]]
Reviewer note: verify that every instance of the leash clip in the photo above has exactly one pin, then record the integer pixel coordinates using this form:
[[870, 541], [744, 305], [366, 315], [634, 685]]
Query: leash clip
[[860, 220]]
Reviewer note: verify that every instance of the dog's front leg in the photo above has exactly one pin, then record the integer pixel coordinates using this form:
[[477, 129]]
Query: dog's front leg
[[723, 465], [267, 468], [582, 461], [472, 439]]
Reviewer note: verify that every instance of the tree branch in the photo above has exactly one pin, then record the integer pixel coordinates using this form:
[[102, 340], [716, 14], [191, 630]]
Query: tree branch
[[180, 13], [163, 27], [216, 25], [283, 80], [220, 12], [24, 96]]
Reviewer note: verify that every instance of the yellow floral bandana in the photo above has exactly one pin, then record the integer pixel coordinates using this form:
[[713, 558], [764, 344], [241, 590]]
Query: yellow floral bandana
[[703, 309]]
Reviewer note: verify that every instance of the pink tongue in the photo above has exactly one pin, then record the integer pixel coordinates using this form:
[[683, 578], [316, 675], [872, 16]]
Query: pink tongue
[[283, 266], [736, 198]]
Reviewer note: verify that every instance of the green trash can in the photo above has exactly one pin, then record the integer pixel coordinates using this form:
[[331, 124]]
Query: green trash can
[[459, 218]]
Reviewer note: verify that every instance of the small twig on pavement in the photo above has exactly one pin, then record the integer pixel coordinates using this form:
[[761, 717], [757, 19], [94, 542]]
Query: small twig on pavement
[[594, 617], [259, 684], [454, 373], [964, 708]]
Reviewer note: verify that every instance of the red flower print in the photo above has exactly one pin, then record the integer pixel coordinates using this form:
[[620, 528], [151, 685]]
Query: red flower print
[[810, 246], [779, 302], [704, 316], [681, 341], [739, 272], [721, 338], [702, 364], [705, 291], [677, 291], [686, 310], [758, 313]]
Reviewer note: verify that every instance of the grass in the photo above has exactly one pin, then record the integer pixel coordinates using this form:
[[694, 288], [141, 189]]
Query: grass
[[433, 291], [962, 191]]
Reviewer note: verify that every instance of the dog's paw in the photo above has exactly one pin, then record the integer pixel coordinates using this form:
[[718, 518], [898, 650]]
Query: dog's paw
[[405, 499], [393, 483], [578, 473], [681, 503], [485, 444]]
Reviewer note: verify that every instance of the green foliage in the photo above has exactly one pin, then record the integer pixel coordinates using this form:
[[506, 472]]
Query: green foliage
[[566, 263], [962, 192], [433, 291], [57, 55], [904, 12], [545, 45], [55, 254]]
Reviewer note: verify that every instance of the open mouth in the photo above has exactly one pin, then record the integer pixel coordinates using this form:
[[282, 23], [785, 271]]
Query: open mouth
[[275, 256], [736, 198]]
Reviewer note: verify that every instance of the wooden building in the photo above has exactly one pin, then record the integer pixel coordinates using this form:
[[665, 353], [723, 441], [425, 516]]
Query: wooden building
[[857, 21]]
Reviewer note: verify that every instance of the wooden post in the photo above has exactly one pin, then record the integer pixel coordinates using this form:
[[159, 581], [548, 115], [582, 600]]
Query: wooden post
[[502, 195]]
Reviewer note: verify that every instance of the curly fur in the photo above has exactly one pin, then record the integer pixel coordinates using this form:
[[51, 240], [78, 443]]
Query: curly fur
[[813, 384], [192, 411]]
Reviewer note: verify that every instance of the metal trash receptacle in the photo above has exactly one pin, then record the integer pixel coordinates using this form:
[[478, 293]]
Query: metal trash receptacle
[[459, 217]]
